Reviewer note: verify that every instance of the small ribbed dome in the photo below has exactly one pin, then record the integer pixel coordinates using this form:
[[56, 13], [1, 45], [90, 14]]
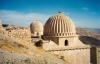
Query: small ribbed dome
[[36, 28], [59, 26]]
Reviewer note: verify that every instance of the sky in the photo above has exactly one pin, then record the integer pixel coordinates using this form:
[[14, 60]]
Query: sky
[[84, 13]]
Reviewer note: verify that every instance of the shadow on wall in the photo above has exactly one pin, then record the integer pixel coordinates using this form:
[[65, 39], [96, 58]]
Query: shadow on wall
[[39, 43]]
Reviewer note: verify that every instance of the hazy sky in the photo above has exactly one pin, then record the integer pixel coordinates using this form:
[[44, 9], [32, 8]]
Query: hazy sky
[[84, 13]]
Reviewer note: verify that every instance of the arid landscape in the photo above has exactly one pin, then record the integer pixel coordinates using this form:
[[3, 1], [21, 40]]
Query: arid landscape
[[13, 51], [49, 31]]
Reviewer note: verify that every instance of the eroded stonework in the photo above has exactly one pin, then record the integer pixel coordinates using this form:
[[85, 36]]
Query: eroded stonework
[[22, 34]]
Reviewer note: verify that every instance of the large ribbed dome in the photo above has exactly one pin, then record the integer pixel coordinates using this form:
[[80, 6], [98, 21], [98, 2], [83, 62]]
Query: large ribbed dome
[[59, 25], [36, 28]]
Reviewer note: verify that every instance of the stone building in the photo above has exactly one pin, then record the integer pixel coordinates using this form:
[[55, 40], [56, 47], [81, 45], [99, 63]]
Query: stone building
[[58, 37], [36, 29], [63, 40]]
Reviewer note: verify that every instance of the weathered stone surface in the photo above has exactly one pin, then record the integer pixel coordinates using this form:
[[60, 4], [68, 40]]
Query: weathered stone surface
[[63, 40], [20, 33]]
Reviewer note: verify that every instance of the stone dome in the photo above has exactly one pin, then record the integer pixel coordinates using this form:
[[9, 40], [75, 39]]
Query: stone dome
[[36, 28], [59, 25]]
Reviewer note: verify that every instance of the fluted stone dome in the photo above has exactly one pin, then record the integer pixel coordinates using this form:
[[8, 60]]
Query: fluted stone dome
[[36, 28], [59, 25]]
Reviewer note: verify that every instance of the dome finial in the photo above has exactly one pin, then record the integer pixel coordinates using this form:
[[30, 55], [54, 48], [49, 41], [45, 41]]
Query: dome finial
[[59, 12]]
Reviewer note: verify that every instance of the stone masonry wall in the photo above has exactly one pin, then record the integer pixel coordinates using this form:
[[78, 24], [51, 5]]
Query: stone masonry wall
[[75, 56], [22, 34]]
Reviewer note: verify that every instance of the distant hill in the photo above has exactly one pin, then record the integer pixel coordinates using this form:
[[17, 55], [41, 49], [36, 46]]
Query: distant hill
[[87, 32], [89, 37], [94, 29]]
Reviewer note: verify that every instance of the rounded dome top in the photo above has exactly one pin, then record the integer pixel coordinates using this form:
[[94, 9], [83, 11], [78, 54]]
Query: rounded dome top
[[36, 26], [59, 25]]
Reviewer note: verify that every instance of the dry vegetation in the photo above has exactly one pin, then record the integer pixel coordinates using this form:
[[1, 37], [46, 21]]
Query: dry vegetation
[[16, 52]]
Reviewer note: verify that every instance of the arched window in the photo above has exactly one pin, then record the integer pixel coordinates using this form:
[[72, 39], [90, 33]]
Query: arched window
[[66, 42]]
